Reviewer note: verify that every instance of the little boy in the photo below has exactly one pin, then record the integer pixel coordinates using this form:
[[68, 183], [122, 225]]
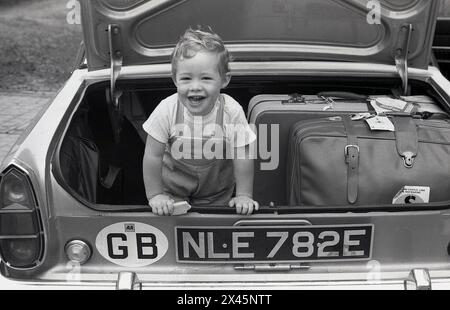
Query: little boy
[[183, 127]]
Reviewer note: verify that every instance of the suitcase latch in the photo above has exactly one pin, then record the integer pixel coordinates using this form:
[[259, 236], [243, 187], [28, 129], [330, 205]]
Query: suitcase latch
[[408, 159], [294, 99]]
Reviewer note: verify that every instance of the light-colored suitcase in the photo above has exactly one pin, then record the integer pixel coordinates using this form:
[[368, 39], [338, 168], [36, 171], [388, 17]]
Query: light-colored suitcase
[[334, 102], [303, 104]]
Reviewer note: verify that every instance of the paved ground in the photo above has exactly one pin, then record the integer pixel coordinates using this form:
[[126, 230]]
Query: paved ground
[[16, 111]]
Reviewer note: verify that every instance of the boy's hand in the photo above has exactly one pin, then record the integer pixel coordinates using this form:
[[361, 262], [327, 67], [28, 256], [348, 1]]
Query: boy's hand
[[244, 205], [161, 205]]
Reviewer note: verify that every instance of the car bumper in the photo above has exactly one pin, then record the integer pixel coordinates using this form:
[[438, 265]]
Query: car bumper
[[129, 281]]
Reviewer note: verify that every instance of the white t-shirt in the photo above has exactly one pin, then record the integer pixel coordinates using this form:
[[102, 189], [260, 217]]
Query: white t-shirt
[[161, 123]]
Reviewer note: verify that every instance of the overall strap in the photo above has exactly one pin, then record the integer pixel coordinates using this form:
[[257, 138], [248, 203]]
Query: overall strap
[[220, 111], [179, 119]]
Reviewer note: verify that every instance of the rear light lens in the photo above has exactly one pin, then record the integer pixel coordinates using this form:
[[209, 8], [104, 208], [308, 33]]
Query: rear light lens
[[15, 191], [21, 233], [19, 253]]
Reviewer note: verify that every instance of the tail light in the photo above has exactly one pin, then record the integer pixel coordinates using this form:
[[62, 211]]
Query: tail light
[[21, 233]]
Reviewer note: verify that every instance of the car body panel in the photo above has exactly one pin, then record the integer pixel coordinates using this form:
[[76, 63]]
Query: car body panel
[[267, 38], [400, 244], [399, 237], [396, 253], [346, 30]]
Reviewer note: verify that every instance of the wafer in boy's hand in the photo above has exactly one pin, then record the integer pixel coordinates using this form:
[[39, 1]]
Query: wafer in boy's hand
[[181, 207]]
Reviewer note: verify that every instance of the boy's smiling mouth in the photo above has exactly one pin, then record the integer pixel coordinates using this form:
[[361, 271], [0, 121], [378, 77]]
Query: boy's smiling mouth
[[196, 99]]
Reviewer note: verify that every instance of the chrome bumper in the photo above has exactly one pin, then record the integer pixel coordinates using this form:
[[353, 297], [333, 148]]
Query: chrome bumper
[[419, 279]]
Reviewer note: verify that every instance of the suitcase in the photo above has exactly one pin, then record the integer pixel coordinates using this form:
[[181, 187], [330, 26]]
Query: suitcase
[[295, 105], [283, 111], [337, 161], [305, 104]]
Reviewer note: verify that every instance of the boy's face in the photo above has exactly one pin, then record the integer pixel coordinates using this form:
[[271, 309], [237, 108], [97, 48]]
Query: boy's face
[[199, 82]]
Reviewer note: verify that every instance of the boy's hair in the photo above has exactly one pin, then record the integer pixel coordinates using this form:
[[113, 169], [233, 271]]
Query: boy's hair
[[195, 40]]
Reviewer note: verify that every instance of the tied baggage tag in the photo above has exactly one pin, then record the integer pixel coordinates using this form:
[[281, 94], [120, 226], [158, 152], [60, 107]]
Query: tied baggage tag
[[180, 208], [412, 194], [389, 105], [380, 123]]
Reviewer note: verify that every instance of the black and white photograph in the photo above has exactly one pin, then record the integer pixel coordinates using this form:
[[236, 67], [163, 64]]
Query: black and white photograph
[[224, 150]]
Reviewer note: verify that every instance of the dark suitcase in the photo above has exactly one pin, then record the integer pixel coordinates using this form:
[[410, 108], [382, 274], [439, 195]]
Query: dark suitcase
[[337, 161], [283, 111]]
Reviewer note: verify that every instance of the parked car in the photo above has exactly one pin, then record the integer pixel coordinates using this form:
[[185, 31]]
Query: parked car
[[342, 205]]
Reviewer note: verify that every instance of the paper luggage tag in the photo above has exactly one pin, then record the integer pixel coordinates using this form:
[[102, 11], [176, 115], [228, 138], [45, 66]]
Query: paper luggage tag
[[380, 123], [180, 208], [389, 105], [418, 99], [412, 194]]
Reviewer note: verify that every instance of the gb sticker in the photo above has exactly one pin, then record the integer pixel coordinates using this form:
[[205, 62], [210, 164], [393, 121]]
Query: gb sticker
[[131, 244]]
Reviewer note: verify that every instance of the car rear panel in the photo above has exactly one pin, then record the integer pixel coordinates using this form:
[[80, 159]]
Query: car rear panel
[[402, 241]]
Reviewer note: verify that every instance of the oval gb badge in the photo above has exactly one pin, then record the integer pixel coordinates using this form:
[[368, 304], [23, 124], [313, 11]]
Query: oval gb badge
[[131, 244]]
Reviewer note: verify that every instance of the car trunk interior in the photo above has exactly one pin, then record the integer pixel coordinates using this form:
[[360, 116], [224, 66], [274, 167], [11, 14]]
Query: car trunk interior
[[100, 157]]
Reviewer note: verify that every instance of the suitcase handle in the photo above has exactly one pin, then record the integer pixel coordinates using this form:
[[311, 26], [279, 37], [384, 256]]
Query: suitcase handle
[[342, 94]]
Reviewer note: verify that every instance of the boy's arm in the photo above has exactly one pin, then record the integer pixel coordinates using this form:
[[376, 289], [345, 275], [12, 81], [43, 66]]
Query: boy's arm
[[243, 173], [152, 167], [160, 203]]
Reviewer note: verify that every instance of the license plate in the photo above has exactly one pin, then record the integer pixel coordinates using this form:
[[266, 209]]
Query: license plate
[[270, 244]]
